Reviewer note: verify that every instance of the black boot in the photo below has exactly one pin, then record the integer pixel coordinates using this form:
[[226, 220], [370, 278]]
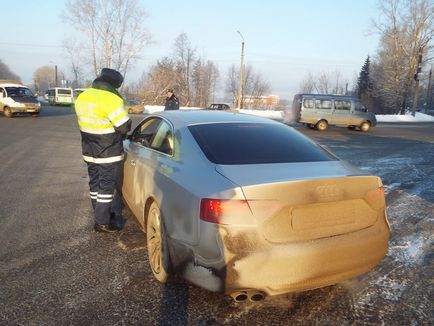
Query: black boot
[[107, 228]]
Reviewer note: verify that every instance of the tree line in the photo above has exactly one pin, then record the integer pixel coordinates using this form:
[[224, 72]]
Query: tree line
[[112, 33], [387, 81]]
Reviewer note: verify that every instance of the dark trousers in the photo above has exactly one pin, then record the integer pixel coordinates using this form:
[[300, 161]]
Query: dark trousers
[[105, 185]]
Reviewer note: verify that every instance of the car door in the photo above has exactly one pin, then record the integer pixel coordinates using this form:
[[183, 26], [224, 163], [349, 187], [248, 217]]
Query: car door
[[136, 167]]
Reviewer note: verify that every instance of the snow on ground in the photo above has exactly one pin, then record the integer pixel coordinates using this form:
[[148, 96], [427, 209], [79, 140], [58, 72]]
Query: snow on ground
[[419, 117], [271, 114]]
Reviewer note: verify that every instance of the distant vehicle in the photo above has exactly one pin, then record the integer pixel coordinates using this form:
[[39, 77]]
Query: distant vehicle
[[218, 106], [60, 96], [17, 98], [319, 111], [134, 106], [249, 206], [78, 91]]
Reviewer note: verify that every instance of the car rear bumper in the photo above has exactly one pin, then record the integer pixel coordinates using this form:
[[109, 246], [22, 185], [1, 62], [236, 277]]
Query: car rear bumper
[[249, 262]]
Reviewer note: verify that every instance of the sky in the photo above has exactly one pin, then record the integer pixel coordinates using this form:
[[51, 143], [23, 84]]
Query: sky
[[285, 40]]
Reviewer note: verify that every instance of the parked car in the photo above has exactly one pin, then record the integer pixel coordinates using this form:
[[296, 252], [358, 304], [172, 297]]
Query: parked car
[[134, 106], [15, 98], [319, 111], [248, 206], [218, 106]]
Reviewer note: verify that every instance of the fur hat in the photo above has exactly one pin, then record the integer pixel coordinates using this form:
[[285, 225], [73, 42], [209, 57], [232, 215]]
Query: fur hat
[[111, 76]]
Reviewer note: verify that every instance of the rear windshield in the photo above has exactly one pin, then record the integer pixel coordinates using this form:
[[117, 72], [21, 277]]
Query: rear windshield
[[256, 143], [64, 91]]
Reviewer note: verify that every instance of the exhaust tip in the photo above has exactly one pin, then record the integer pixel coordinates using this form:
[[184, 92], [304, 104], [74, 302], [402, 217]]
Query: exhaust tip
[[244, 295], [259, 296], [239, 296]]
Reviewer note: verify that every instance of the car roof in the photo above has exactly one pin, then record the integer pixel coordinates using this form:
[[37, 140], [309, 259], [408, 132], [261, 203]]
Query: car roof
[[184, 118], [12, 85], [325, 96]]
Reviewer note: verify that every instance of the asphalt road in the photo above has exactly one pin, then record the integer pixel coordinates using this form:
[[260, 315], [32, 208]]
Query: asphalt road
[[55, 271]]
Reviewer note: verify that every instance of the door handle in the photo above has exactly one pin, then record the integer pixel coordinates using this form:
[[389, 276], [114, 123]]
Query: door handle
[[133, 162]]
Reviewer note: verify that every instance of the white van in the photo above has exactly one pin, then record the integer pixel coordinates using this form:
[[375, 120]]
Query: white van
[[17, 98], [319, 111]]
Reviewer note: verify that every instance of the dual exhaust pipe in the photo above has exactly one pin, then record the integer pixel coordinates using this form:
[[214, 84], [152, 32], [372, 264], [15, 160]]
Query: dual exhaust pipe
[[244, 295]]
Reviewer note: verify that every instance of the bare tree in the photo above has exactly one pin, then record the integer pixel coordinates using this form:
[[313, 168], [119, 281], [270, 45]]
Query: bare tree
[[254, 85], [184, 56], [74, 51], [154, 84], [113, 31], [45, 77], [308, 85], [204, 80], [325, 83], [407, 29]]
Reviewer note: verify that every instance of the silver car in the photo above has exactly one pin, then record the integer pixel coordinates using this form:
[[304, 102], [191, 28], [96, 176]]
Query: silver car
[[248, 206]]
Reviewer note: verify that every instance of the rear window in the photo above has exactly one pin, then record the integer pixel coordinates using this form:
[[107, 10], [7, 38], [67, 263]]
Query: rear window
[[64, 91], [256, 143]]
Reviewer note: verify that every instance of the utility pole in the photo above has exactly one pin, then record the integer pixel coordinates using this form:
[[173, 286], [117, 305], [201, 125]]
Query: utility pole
[[240, 95], [416, 78], [55, 73], [428, 93]]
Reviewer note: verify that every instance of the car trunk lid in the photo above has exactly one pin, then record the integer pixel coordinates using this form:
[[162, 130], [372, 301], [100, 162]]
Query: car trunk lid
[[303, 201]]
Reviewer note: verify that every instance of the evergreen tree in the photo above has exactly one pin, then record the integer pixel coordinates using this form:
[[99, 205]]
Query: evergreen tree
[[364, 85]]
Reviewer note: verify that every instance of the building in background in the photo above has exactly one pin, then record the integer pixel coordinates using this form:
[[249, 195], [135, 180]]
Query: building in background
[[266, 102]]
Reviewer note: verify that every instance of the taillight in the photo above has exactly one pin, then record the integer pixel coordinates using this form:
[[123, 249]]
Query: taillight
[[224, 211]]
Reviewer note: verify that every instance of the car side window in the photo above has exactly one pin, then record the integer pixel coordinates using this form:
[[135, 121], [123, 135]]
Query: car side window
[[323, 104], [145, 132], [308, 103], [163, 139], [343, 105]]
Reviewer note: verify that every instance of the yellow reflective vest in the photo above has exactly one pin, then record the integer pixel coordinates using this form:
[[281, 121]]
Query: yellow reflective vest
[[102, 120]]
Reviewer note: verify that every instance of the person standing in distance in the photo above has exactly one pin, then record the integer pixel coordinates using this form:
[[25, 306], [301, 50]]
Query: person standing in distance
[[103, 124], [172, 102]]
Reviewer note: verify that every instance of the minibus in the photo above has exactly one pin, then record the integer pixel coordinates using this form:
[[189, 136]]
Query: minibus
[[318, 111]]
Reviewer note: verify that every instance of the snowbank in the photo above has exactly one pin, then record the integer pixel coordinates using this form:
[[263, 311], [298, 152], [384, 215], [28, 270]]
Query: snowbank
[[419, 117], [271, 114], [159, 108]]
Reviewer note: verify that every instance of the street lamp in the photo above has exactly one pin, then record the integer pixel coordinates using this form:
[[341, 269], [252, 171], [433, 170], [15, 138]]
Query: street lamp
[[240, 95]]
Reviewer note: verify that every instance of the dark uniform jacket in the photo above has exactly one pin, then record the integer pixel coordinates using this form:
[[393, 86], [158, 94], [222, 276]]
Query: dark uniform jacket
[[172, 103]]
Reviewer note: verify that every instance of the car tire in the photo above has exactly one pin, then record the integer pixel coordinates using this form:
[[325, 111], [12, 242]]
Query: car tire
[[321, 125], [35, 115], [8, 112], [364, 126], [158, 251], [351, 127]]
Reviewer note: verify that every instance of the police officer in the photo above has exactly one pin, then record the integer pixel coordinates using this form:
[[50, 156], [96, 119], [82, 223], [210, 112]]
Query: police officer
[[104, 124], [172, 102]]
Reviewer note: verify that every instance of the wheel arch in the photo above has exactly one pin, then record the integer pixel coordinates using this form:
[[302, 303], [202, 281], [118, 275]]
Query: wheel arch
[[148, 204]]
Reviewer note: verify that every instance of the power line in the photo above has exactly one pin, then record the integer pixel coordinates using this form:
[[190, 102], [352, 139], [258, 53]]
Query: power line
[[29, 44]]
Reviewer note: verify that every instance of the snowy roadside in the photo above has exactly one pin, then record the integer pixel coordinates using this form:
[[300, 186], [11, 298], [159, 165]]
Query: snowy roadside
[[271, 114]]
